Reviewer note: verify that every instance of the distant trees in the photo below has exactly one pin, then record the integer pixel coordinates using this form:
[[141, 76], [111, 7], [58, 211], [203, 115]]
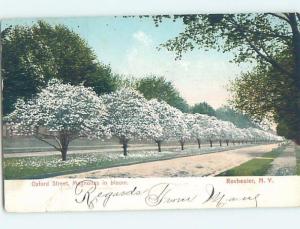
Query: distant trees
[[240, 120], [67, 112], [203, 108], [34, 55], [157, 87]]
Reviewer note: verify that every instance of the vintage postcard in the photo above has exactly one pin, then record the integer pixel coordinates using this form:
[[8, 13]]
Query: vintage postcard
[[151, 112]]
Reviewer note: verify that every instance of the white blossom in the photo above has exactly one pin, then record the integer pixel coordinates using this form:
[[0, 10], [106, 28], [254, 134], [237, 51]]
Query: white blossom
[[67, 112], [131, 116]]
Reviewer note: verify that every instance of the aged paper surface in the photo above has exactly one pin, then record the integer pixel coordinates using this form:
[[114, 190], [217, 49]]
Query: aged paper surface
[[151, 193], [151, 112]]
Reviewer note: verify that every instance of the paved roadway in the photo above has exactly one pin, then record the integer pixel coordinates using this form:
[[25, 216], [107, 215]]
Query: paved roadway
[[201, 165]]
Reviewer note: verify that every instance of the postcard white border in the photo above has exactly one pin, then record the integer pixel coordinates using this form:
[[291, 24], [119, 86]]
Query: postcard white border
[[56, 194]]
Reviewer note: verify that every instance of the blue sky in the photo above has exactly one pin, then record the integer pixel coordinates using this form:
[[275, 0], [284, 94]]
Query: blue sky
[[129, 45]]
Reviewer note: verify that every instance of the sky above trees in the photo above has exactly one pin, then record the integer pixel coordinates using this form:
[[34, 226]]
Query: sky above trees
[[129, 45]]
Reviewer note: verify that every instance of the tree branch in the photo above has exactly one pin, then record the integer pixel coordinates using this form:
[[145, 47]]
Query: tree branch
[[272, 35], [294, 23], [43, 140], [298, 16], [58, 142], [264, 55], [268, 58], [282, 17]]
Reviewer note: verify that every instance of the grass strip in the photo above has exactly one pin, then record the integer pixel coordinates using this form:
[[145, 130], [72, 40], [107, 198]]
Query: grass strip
[[297, 150], [256, 166]]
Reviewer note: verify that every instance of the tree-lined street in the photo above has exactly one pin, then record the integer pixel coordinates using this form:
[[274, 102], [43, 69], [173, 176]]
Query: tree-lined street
[[60, 86]]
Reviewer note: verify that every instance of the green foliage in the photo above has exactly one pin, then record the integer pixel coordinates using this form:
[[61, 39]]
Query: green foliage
[[245, 35], [265, 93], [262, 91], [125, 81], [33, 55], [269, 40], [203, 108], [226, 113], [161, 89]]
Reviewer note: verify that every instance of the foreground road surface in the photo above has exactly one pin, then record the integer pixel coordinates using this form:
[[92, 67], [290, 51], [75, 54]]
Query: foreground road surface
[[201, 165]]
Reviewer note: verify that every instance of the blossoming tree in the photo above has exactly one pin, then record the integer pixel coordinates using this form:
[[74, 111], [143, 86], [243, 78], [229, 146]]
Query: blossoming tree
[[182, 130], [211, 130], [196, 123], [229, 132], [226, 131], [65, 111], [168, 119], [131, 116]]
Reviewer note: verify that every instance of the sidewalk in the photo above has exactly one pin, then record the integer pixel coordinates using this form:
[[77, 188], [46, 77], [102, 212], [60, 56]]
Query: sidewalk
[[285, 164]]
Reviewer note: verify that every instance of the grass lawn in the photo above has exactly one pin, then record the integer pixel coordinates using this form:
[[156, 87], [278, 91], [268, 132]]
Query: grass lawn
[[48, 166], [37, 167], [255, 167], [297, 150]]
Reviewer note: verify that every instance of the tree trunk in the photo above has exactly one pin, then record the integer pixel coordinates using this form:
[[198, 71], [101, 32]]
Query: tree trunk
[[297, 141], [210, 142], [220, 141], [199, 142], [294, 125], [182, 144], [64, 154], [227, 142], [64, 142], [159, 145], [296, 48], [125, 146]]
